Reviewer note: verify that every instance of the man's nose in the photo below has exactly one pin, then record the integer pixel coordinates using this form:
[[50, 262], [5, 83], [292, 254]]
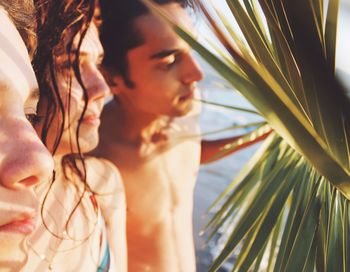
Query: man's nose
[[192, 71], [24, 161]]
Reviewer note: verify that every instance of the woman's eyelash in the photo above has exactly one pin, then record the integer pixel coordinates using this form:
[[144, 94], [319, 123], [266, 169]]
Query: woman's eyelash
[[34, 119], [99, 66]]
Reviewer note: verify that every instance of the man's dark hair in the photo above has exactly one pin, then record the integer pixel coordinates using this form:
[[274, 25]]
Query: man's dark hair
[[22, 14], [118, 33]]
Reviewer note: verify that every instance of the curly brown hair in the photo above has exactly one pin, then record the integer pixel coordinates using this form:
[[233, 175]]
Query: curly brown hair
[[22, 14], [59, 21]]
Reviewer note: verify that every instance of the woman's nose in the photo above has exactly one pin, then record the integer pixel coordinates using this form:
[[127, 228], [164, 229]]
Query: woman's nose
[[24, 160], [97, 87]]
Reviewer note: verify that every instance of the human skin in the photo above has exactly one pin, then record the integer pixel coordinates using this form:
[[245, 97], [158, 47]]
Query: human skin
[[91, 55], [24, 161], [158, 171], [77, 247], [145, 133]]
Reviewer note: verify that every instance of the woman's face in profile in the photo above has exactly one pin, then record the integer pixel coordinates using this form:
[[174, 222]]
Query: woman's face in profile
[[72, 94], [24, 161]]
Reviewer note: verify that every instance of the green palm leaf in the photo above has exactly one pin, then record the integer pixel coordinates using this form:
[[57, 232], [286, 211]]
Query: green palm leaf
[[291, 201]]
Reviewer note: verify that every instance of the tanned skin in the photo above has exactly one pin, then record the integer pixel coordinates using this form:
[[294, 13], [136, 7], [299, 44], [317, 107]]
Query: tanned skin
[[144, 133]]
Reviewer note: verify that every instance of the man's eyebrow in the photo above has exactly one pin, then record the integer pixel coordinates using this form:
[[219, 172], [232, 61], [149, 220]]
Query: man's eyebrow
[[164, 54]]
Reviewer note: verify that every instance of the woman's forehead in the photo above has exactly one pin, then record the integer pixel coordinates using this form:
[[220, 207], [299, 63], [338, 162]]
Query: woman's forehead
[[16, 71], [91, 43]]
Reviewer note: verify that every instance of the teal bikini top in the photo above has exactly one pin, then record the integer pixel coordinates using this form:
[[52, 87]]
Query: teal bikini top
[[106, 261]]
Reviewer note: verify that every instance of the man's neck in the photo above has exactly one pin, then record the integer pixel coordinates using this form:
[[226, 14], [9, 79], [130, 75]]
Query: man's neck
[[137, 128]]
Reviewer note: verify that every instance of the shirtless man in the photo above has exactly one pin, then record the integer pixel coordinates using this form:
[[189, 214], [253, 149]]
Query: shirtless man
[[153, 76]]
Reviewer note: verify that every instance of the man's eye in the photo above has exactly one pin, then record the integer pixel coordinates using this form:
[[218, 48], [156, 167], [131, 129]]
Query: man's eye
[[168, 62], [171, 63], [167, 65], [34, 119]]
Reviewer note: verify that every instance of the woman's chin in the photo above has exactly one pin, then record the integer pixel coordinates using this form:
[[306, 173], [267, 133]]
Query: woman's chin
[[88, 140], [87, 144], [13, 251]]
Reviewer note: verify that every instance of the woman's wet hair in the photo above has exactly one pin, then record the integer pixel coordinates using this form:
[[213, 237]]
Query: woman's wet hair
[[22, 14], [58, 23]]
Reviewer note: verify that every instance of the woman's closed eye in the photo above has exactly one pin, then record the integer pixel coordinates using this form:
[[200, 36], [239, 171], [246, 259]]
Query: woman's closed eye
[[34, 119], [65, 64]]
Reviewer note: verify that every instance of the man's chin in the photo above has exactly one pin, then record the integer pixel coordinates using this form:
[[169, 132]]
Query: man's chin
[[184, 109]]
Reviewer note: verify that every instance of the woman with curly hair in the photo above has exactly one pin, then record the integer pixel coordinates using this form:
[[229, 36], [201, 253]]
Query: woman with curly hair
[[83, 208]]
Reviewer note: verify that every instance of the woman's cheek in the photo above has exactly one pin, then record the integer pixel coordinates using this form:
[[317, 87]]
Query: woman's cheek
[[73, 107]]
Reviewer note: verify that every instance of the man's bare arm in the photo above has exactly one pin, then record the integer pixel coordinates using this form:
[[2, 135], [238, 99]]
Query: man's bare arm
[[213, 150]]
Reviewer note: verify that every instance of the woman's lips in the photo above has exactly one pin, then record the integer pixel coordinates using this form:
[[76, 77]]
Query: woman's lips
[[26, 226], [91, 120]]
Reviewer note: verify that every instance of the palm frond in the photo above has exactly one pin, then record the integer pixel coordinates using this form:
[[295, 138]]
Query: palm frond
[[291, 201]]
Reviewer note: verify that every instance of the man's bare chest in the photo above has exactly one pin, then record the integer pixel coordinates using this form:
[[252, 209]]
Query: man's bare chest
[[163, 181]]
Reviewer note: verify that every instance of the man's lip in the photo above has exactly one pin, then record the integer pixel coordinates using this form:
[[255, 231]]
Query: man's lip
[[187, 96], [25, 226]]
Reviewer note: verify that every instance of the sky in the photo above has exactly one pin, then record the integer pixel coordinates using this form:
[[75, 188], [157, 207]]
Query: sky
[[343, 38]]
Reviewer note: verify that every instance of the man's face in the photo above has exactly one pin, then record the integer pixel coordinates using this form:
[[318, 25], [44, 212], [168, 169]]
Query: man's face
[[24, 161], [162, 69]]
